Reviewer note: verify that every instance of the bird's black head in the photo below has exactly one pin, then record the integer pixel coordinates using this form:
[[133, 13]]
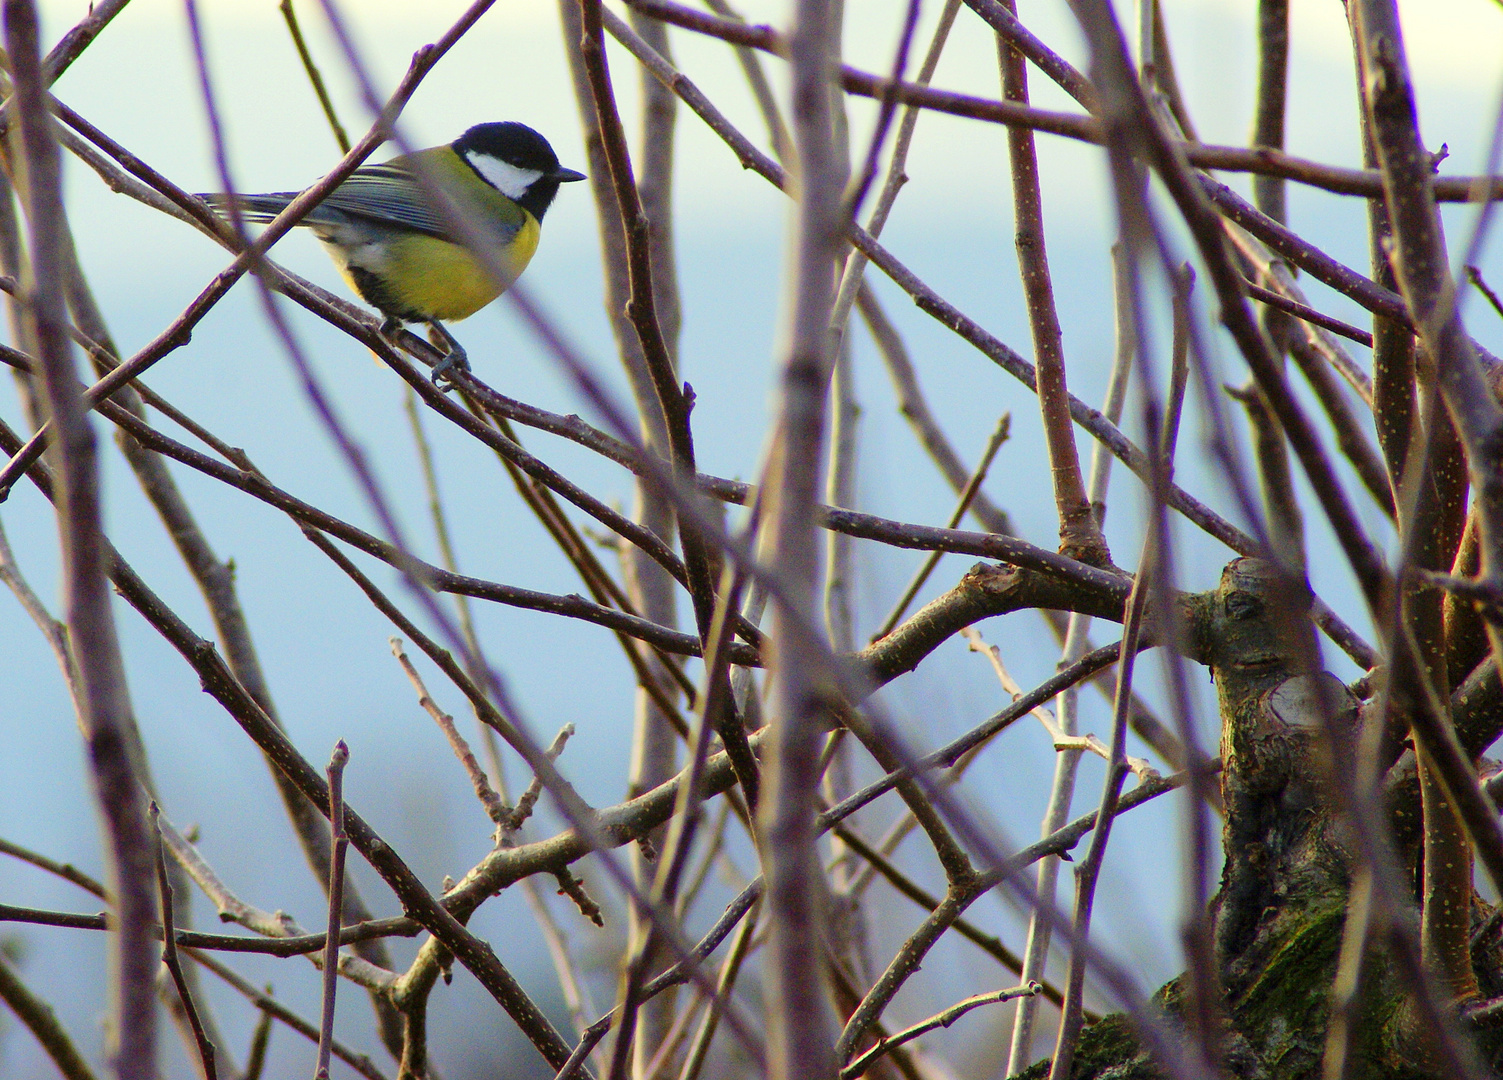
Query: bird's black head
[[516, 161]]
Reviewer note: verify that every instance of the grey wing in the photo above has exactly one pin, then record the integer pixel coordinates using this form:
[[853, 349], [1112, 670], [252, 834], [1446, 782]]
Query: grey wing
[[384, 193], [373, 193]]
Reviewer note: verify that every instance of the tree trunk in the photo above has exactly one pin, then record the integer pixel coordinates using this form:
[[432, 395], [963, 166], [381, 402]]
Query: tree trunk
[[1283, 902]]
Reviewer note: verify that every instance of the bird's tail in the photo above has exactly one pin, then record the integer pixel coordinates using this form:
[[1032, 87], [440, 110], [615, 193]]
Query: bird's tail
[[256, 209]]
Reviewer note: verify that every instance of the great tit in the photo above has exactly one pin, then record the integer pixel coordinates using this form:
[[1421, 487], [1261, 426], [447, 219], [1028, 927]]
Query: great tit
[[399, 251]]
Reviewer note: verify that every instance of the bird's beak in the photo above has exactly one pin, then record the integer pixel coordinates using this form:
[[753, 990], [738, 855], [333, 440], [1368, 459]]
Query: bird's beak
[[565, 176]]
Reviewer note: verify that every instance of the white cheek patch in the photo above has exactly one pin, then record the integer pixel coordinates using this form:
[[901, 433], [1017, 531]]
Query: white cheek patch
[[506, 178]]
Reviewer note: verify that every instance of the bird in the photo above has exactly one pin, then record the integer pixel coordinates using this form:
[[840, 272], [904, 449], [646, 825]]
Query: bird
[[400, 251]]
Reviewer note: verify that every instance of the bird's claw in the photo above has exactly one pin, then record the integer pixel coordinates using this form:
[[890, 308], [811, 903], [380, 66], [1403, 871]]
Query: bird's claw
[[454, 360]]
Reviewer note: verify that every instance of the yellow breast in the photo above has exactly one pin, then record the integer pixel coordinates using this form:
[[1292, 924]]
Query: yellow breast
[[443, 280]]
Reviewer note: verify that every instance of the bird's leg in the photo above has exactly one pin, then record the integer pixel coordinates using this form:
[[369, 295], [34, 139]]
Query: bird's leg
[[391, 329], [456, 359]]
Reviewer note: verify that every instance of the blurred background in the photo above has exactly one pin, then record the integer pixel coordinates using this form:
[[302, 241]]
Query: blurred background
[[325, 649]]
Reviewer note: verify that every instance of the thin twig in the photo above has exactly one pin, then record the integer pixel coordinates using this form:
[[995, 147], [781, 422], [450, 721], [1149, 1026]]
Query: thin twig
[[495, 807], [277, 924], [967, 496], [915, 409], [255, 1058], [903, 884], [1063, 741], [66, 871], [529, 797], [852, 280], [683, 827], [314, 78], [1309, 314], [1474, 275], [756, 79], [42, 1022], [1087, 872], [174, 965], [270, 1006], [193, 939], [733, 915], [941, 1019], [340, 843], [1205, 1013], [699, 1050], [840, 490], [654, 753], [1356, 930]]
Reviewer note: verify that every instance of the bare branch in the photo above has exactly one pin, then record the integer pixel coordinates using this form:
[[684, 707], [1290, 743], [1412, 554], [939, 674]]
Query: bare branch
[[41, 1021], [175, 968], [339, 843], [103, 703], [943, 1019], [495, 807]]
